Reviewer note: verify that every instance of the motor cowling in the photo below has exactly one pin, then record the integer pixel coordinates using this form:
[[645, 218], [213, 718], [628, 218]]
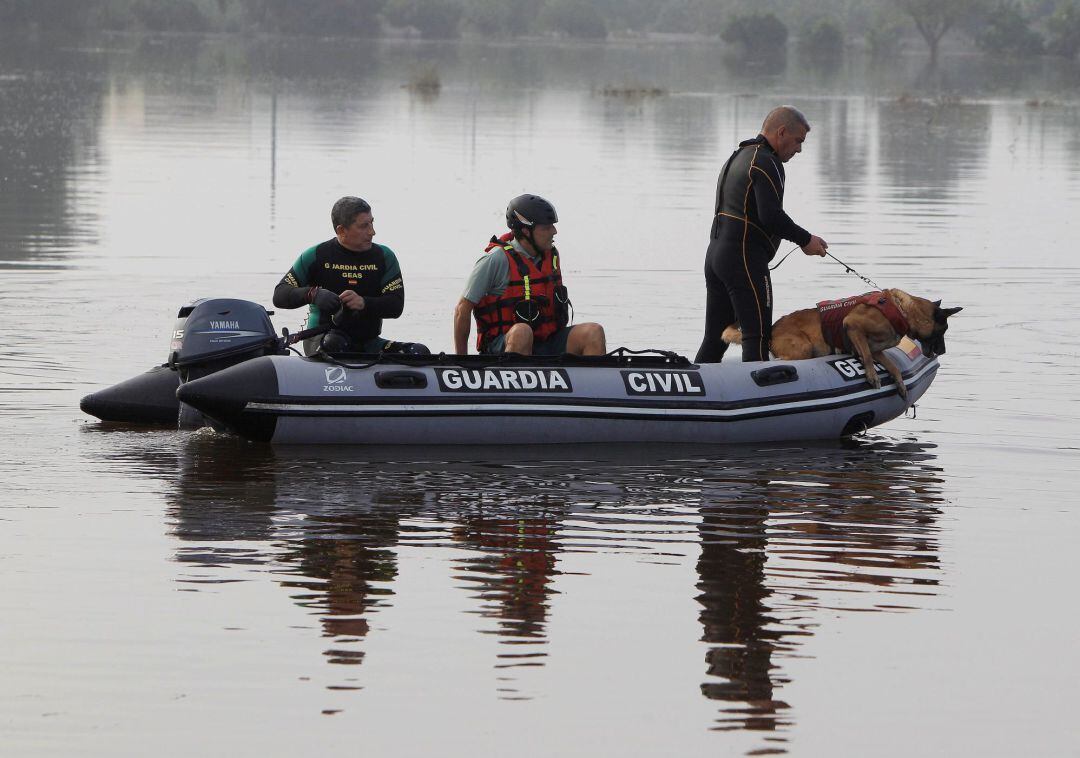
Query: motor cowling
[[214, 333]]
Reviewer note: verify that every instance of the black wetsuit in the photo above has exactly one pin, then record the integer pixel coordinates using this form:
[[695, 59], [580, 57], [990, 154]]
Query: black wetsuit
[[748, 224], [373, 274]]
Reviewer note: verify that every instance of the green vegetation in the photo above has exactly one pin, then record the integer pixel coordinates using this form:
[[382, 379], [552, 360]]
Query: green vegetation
[[434, 19], [754, 30], [1008, 32], [310, 17], [573, 18], [884, 37], [823, 44], [1063, 37], [500, 17], [935, 18]]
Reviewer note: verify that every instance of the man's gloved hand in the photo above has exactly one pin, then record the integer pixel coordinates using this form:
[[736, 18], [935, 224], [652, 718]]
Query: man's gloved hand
[[326, 301]]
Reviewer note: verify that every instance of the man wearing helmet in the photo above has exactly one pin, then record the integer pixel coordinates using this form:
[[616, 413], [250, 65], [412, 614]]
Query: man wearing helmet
[[350, 283], [516, 295]]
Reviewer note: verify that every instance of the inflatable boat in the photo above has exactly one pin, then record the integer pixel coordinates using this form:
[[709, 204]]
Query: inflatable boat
[[228, 369], [454, 399]]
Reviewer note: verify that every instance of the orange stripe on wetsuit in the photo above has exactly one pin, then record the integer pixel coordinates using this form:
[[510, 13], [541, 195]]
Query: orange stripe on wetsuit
[[763, 326]]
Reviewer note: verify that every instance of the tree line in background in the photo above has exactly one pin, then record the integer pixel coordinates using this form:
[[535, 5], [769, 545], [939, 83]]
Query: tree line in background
[[1001, 27]]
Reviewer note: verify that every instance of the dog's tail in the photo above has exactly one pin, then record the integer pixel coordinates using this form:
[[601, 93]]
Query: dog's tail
[[732, 335]]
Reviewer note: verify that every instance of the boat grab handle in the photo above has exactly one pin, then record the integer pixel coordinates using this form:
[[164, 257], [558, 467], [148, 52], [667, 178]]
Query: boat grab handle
[[400, 380], [766, 377]]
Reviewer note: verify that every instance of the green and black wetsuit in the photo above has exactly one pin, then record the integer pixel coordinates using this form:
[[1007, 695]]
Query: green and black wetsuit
[[374, 274], [748, 225]]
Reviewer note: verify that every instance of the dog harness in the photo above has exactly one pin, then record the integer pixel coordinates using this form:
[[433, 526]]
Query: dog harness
[[833, 312]]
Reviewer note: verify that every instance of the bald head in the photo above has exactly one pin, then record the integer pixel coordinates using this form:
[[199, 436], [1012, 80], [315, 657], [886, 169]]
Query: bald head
[[785, 116], [785, 128]]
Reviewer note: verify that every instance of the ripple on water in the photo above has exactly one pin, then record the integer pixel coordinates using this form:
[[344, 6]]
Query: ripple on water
[[775, 537]]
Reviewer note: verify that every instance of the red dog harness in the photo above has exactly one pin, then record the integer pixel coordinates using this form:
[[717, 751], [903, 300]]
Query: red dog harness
[[832, 314]]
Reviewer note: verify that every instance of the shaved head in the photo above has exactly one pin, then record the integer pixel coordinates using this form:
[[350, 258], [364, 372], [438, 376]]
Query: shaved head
[[784, 116]]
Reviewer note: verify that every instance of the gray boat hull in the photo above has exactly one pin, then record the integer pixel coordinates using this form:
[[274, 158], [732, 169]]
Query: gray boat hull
[[470, 400]]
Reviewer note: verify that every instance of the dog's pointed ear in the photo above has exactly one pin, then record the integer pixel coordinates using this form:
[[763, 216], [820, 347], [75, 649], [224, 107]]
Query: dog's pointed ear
[[941, 315], [937, 303]]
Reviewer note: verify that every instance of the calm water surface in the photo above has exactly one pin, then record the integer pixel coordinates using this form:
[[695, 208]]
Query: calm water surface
[[912, 592]]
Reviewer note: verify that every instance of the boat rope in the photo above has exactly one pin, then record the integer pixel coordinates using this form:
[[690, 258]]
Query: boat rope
[[847, 269], [625, 352], [618, 356]]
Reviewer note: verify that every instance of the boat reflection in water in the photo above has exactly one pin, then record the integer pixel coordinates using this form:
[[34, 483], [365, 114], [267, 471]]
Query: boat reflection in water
[[809, 530], [780, 535]]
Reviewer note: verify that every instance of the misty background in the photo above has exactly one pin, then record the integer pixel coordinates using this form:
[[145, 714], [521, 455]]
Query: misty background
[[885, 28]]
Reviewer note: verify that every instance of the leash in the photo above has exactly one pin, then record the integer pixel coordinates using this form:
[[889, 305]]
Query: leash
[[847, 269], [789, 252]]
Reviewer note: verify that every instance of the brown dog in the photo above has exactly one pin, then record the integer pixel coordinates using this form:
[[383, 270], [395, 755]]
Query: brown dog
[[866, 325]]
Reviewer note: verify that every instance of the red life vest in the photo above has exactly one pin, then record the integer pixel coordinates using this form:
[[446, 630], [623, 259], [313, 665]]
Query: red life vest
[[495, 314], [832, 314]]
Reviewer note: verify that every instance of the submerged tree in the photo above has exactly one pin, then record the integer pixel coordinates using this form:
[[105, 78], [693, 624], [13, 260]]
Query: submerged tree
[[315, 17], [574, 18], [1009, 32], [935, 18], [501, 17], [823, 43], [1064, 29], [757, 33], [434, 19], [69, 16]]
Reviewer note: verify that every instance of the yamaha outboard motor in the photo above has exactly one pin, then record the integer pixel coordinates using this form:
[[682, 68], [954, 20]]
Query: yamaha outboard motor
[[212, 334]]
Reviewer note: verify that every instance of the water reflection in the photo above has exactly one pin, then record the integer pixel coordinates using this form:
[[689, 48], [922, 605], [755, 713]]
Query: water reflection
[[180, 101], [928, 146], [779, 542], [782, 536], [344, 579], [511, 579], [842, 149], [49, 110]]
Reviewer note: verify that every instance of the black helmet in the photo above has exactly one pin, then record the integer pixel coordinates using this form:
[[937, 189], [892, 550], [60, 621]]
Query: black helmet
[[526, 211]]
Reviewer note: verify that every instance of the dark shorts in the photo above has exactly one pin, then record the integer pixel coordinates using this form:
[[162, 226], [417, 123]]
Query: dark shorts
[[553, 345]]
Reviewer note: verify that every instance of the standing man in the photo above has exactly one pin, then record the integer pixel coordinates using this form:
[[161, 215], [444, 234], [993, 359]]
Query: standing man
[[748, 225], [350, 283], [516, 294]]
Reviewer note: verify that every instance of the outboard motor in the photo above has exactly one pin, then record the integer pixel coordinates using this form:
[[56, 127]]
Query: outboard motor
[[215, 333]]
